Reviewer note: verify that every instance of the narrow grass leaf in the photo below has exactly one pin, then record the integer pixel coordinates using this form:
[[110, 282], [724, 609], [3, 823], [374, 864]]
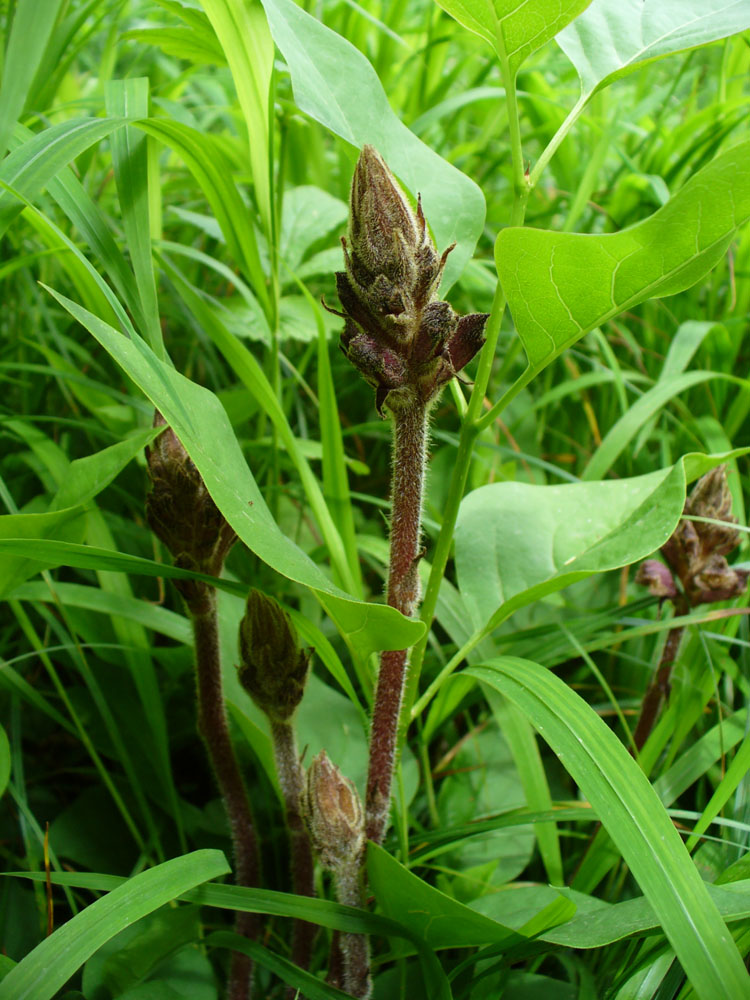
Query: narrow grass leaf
[[521, 739], [242, 31], [248, 369], [625, 429], [633, 816], [15, 567], [45, 969], [442, 921], [266, 901], [4, 761], [130, 99], [309, 986], [33, 24], [87, 477], [31, 166], [210, 166]]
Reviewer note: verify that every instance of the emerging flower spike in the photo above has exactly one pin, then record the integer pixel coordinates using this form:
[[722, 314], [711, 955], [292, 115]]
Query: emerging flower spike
[[404, 341], [273, 668], [182, 514], [333, 813], [696, 552]]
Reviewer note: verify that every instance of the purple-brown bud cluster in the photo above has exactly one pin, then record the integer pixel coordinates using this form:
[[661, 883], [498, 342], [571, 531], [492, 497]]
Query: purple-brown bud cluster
[[273, 669], [181, 513], [404, 341], [696, 552]]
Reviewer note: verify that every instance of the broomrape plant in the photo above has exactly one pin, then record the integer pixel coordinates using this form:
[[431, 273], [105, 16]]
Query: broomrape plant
[[496, 745]]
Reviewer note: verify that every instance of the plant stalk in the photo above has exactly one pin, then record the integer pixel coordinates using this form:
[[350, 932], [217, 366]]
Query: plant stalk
[[291, 779], [355, 948], [658, 689], [409, 456], [214, 729]]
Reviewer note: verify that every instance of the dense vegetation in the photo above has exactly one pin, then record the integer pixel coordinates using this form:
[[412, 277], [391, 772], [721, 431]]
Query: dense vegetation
[[175, 187]]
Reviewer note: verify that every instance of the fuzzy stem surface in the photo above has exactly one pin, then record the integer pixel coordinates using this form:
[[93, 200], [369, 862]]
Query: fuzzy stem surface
[[214, 729], [355, 948], [291, 779], [409, 455]]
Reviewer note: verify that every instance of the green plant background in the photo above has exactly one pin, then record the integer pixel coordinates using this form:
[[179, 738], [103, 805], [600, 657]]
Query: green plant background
[[171, 204]]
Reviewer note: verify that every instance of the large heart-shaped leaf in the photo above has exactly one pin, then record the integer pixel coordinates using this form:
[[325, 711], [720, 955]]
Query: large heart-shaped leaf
[[561, 285], [614, 37], [632, 814], [202, 425], [337, 86], [516, 542], [514, 28]]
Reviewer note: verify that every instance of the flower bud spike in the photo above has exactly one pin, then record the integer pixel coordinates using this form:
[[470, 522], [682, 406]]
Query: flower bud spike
[[400, 337], [273, 669]]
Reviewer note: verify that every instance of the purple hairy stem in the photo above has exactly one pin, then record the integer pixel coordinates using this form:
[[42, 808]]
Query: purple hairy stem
[[409, 455]]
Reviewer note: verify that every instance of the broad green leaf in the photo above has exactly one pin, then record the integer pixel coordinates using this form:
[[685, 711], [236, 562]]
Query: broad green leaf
[[516, 542], [68, 524], [514, 28], [31, 166], [201, 423], [4, 761], [335, 84], [308, 214], [633, 816], [443, 922], [33, 24], [252, 375], [614, 37], [561, 285], [45, 969]]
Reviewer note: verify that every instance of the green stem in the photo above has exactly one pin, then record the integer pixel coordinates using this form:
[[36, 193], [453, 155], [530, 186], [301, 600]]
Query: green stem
[[472, 421], [557, 138]]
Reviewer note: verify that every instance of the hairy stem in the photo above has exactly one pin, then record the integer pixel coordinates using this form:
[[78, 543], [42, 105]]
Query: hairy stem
[[355, 948], [658, 689], [291, 779], [214, 730], [409, 454]]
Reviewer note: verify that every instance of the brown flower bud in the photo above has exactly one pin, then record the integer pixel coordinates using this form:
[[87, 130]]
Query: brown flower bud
[[333, 813], [273, 669], [404, 341], [180, 511], [657, 578], [696, 551]]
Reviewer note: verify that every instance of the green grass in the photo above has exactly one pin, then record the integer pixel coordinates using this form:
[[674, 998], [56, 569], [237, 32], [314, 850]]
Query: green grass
[[179, 176]]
